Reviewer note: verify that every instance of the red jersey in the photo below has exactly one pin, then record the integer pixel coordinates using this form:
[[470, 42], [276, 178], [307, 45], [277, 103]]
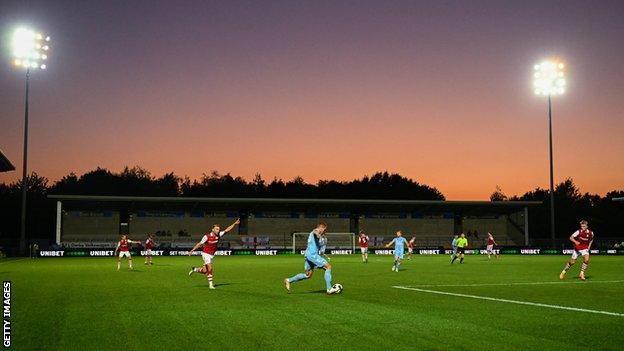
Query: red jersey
[[210, 241], [123, 245], [149, 244], [364, 241], [584, 237], [490, 240]]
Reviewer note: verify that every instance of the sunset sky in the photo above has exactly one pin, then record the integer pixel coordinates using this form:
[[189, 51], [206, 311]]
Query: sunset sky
[[438, 91]]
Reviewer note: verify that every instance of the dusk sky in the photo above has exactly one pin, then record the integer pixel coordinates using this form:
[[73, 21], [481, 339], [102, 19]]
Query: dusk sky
[[438, 91]]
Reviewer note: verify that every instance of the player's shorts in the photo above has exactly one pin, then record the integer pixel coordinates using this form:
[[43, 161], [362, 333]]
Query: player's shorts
[[124, 253], [148, 252], [576, 253], [207, 258], [410, 250], [489, 248], [364, 250], [454, 250], [460, 250], [398, 254], [314, 261]]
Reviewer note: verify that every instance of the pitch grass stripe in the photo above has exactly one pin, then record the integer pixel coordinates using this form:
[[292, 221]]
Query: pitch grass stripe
[[519, 283], [513, 301]]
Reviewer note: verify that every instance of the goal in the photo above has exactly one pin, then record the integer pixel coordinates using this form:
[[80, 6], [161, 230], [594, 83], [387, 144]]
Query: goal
[[335, 241]]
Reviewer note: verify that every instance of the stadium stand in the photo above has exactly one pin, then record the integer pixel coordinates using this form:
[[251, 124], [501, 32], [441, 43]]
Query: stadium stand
[[269, 223]]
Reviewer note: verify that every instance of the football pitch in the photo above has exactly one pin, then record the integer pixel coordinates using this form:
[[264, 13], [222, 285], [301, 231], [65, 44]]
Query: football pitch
[[516, 302]]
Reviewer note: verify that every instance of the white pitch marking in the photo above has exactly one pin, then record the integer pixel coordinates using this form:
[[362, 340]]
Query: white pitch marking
[[519, 283], [513, 301], [15, 260]]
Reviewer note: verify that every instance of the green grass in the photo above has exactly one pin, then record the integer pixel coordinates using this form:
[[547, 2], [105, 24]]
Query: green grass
[[85, 303]]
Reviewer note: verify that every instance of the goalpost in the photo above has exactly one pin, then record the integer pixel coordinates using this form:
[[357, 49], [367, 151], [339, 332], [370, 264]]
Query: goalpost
[[334, 241]]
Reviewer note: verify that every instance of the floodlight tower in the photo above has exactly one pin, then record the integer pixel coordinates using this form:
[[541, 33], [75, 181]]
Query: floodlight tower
[[549, 80], [30, 52]]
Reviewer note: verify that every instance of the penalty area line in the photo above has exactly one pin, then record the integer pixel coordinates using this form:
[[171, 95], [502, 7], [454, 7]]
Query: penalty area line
[[536, 304], [518, 283]]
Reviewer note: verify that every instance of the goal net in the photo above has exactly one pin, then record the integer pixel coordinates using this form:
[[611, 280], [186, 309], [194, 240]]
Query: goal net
[[335, 241]]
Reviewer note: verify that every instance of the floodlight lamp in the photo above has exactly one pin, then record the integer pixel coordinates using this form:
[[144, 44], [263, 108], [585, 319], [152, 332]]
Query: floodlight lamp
[[29, 47], [549, 77]]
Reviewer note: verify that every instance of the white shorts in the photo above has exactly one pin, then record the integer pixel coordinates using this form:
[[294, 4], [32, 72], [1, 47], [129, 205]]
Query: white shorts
[[489, 248], [148, 252], [577, 253], [410, 250], [207, 258], [364, 250], [124, 253]]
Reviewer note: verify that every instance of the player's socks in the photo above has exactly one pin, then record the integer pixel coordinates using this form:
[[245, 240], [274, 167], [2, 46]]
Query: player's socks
[[209, 275], [398, 265], [454, 258], [118, 265], [328, 279], [584, 267], [567, 267], [297, 277], [461, 260]]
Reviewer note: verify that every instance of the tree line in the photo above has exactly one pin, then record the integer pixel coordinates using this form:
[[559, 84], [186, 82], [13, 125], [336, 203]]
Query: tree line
[[605, 216]]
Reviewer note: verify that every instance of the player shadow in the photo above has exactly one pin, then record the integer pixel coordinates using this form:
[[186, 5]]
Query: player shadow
[[314, 292], [223, 284], [216, 285]]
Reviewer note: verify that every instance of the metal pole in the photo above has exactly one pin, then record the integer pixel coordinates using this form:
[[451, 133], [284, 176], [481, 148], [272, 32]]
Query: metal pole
[[24, 170], [526, 226], [59, 218], [552, 190]]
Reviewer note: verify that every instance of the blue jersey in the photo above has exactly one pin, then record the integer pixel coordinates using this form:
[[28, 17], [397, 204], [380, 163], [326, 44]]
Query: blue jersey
[[313, 245], [399, 243], [322, 244], [454, 242]]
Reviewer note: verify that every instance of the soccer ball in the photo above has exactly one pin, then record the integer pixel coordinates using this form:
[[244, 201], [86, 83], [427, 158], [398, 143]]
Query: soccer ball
[[337, 288]]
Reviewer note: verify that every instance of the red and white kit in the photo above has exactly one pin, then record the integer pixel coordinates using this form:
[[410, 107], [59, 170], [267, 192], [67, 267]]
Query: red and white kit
[[490, 244], [364, 244], [124, 247], [149, 245], [584, 237], [210, 242], [410, 245]]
